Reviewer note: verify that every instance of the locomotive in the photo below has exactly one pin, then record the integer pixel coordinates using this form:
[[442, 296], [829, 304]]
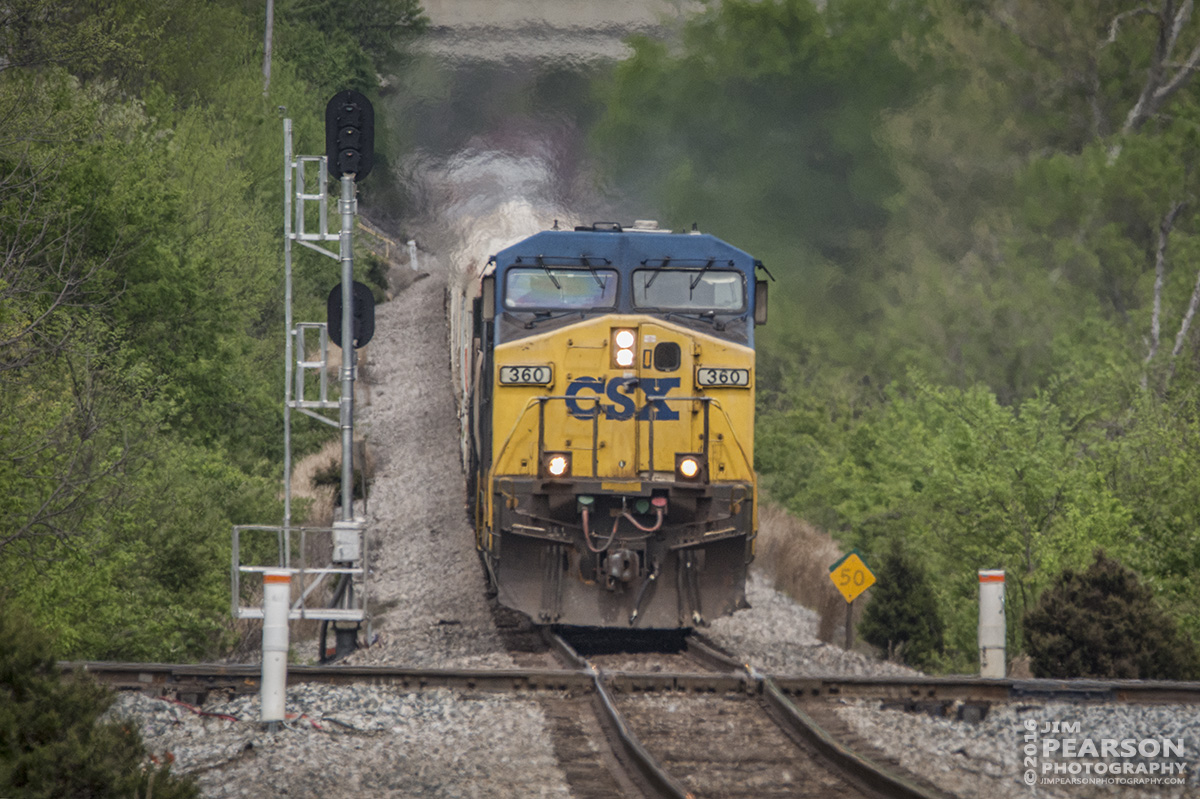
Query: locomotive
[[606, 378]]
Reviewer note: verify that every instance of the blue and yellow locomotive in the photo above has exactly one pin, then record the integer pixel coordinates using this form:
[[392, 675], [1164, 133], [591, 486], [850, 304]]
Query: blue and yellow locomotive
[[609, 407]]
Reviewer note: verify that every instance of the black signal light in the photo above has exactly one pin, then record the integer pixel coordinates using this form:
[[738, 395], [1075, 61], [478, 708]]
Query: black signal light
[[350, 134], [363, 323]]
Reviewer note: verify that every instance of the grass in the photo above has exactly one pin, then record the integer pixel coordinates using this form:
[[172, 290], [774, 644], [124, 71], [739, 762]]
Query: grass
[[796, 557]]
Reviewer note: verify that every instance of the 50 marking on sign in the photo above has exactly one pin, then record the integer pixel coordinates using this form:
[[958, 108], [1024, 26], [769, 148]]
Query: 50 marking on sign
[[851, 576], [526, 375]]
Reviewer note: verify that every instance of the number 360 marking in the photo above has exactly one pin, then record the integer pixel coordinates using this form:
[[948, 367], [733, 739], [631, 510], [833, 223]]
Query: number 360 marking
[[526, 375], [712, 376]]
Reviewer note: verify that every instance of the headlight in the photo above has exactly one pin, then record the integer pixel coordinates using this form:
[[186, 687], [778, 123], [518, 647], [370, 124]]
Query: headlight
[[624, 343], [689, 467], [557, 464]]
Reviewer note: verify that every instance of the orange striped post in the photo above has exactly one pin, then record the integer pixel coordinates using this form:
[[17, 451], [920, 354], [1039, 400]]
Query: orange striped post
[[277, 592], [991, 623]]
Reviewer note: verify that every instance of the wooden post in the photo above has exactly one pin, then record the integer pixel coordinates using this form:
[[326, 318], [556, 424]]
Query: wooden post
[[849, 624]]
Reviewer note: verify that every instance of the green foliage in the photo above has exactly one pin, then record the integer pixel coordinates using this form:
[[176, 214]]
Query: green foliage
[[902, 618], [966, 482], [1029, 215], [760, 123], [41, 33], [1102, 623], [52, 742], [141, 301], [342, 44], [1149, 464], [153, 583]]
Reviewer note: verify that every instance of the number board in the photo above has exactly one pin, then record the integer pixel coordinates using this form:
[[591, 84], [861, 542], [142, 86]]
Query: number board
[[851, 575], [713, 376], [526, 375]]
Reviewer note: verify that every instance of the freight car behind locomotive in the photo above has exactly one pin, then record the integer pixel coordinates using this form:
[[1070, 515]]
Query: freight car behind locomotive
[[607, 389]]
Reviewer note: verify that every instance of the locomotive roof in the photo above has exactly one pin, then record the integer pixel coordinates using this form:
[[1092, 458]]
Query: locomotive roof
[[647, 248]]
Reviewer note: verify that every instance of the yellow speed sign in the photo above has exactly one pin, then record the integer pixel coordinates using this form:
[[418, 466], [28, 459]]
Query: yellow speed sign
[[851, 575]]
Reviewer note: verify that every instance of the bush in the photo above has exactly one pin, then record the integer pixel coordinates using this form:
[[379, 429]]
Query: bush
[[903, 618], [52, 744], [1103, 623]]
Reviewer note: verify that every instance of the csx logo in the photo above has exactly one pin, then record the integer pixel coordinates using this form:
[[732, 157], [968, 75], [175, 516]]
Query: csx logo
[[621, 390]]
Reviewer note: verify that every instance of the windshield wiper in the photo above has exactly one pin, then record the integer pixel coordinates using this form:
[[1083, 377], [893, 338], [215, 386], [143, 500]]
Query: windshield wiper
[[700, 316], [546, 316], [699, 275], [654, 275], [542, 263], [592, 269]]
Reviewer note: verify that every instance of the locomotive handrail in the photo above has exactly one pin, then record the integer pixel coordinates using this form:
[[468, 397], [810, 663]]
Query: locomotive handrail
[[595, 427], [707, 401], [741, 450], [654, 413], [499, 456], [541, 401]]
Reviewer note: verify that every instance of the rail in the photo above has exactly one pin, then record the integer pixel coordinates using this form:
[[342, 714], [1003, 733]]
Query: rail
[[853, 766], [654, 775], [244, 678]]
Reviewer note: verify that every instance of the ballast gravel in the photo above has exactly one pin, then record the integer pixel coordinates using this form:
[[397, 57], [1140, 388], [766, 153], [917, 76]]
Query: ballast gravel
[[356, 741], [778, 636], [429, 607], [1007, 754]]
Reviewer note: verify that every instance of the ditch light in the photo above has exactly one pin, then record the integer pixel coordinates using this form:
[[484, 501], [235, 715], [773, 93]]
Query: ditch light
[[689, 467], [556, 464]]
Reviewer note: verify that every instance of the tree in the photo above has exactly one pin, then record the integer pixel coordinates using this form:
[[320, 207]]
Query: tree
[[760, 122], [52, 741], [965, 481], [344, 44], [902, 618], [62, 413], [1102, 623], [140, 316], [1013, 385], [1167, 73]]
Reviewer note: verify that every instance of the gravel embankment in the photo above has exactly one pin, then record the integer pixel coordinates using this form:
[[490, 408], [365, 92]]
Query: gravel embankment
[[778, 636], [426, 580], [986, 760], [358, 741]]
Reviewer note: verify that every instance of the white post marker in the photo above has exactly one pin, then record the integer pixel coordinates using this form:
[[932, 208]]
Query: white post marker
[[277, 591], [991, 623]]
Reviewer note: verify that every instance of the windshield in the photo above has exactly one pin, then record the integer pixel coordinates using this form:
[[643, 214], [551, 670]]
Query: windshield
[[554, 288], [689, 290]]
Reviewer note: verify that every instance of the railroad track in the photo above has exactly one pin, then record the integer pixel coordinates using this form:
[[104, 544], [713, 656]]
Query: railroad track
[[742, 736], [689, 721]]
